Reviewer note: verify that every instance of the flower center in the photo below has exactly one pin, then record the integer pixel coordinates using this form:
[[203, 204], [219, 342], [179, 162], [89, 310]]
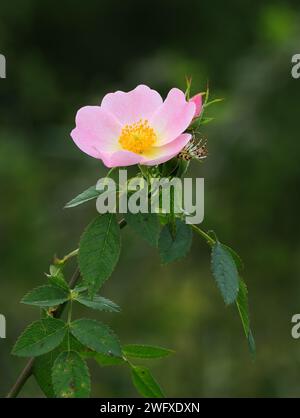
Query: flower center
[[138, 137]]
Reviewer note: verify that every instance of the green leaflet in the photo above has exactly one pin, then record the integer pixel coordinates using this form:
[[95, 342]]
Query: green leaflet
[[243, 309], [80, 289], [145, 383], [172, 249], [104, 360], [145, 351], [242, 305], [40, 337], [99, 250], [236, 258], [225, 272], [147, 225], [42, 367], [251, 344], [45, 296], [212, 102], [89, 194], [96, 336], [70, 376], [98, 302], [57, 278]]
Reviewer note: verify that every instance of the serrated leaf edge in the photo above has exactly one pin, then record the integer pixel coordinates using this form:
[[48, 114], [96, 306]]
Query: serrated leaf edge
[[38, 342]]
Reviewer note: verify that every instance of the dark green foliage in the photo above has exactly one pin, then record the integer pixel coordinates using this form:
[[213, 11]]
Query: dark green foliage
[[99, 251], [225, 272], [172, 248]]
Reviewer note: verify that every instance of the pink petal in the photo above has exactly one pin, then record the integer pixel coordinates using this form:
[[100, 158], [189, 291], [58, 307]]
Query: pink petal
[[161, 154], [130, 107], [120, 158], [85, 142], [96, 131], [173, 116], [197, 100]]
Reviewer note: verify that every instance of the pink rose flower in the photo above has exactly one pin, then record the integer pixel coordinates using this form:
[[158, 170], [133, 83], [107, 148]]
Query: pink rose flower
[[197, 100], [137, 127]]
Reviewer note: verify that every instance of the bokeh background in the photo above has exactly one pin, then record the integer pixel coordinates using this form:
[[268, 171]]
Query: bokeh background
[[63, 55]]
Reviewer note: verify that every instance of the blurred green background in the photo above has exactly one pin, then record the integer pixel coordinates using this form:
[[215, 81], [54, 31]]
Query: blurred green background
[[63, 55]]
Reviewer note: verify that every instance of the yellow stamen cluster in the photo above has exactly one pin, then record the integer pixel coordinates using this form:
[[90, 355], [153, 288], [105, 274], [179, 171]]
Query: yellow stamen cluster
[[138, 137]]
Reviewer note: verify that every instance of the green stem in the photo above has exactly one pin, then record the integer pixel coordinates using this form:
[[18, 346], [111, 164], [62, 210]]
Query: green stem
[[69, 322], [67, 257], [204, 235], [70, 312]]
